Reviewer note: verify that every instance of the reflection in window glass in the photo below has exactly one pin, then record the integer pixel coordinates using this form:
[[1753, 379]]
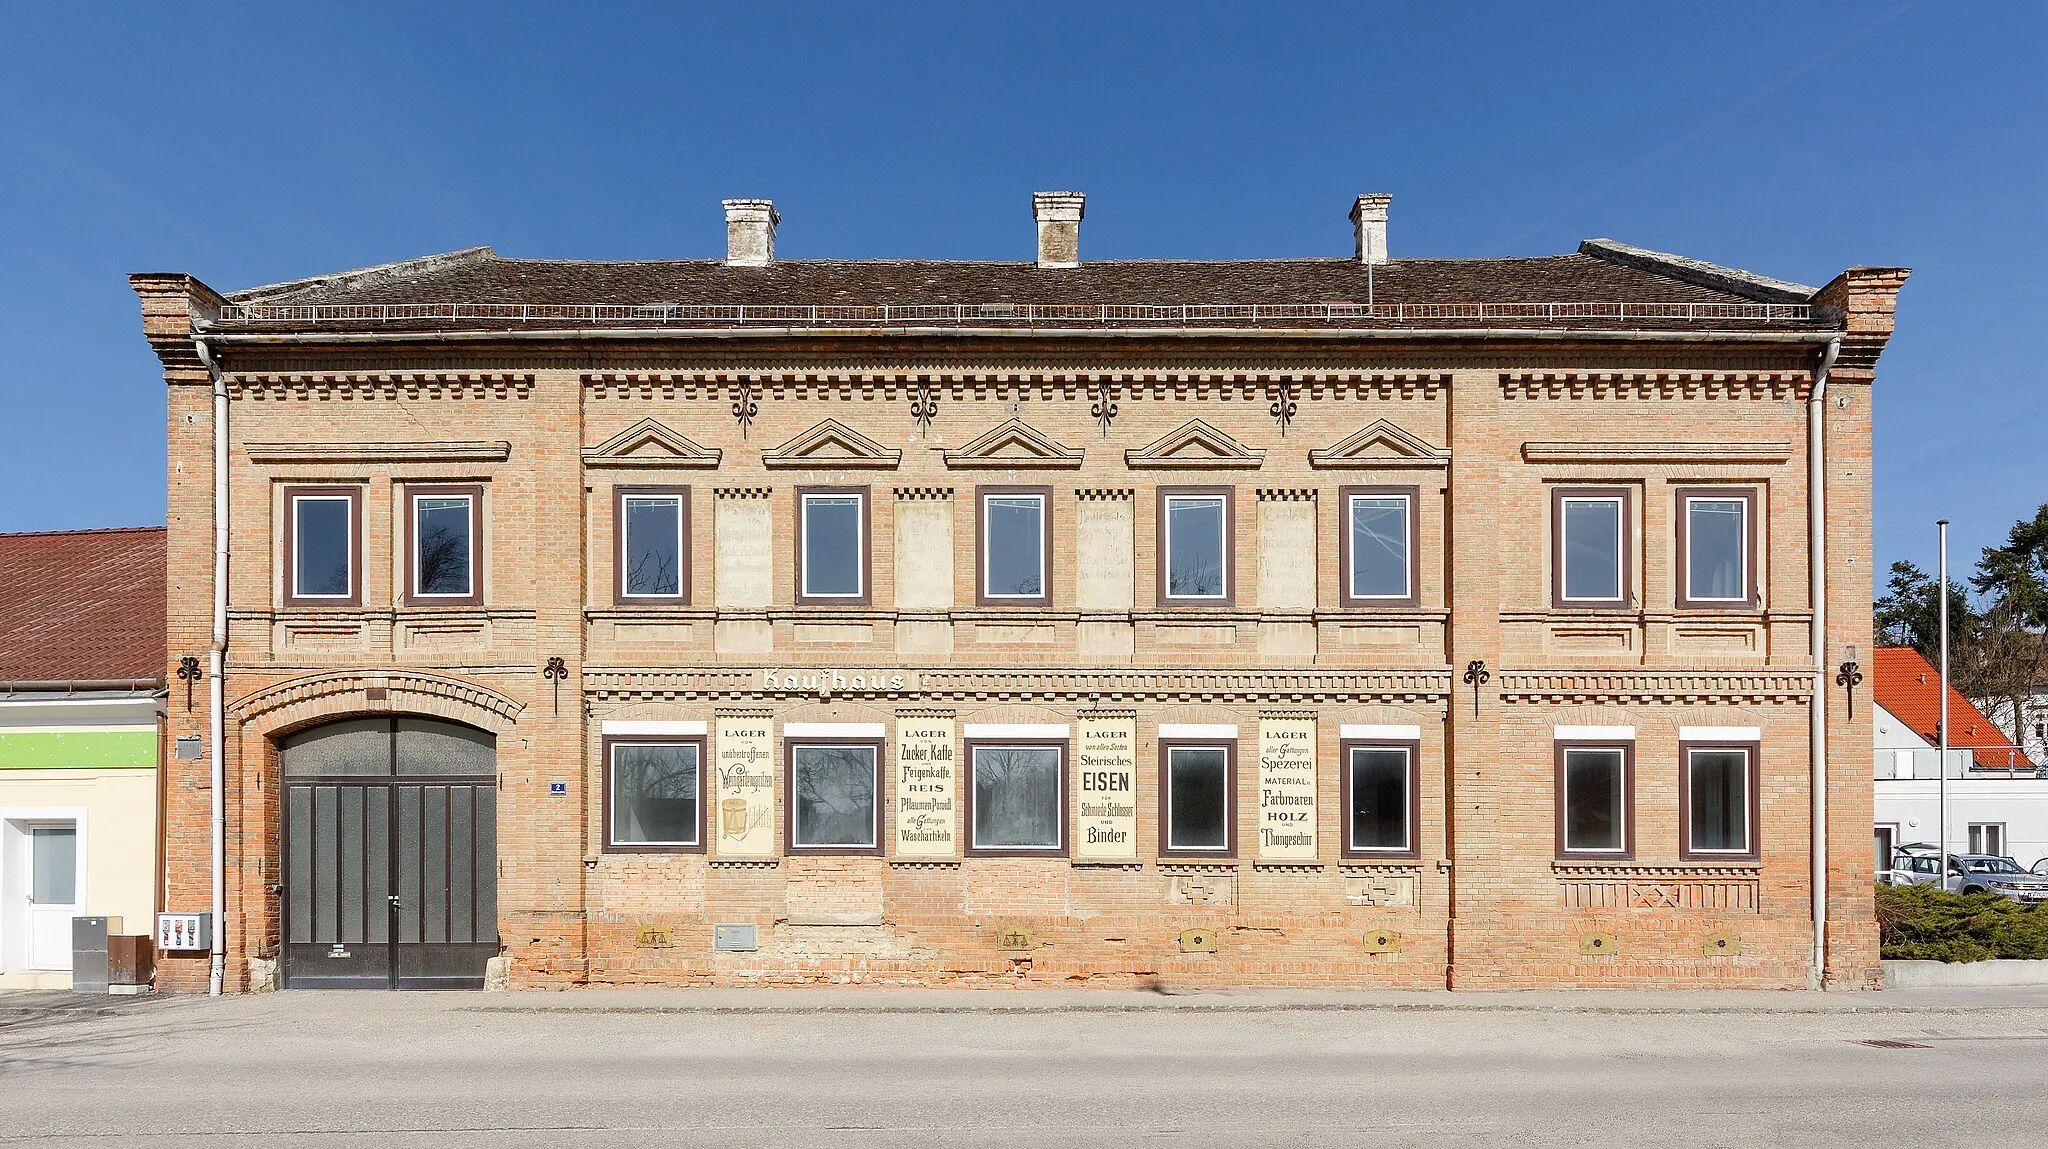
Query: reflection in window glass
[[1593, 799], [323, 541], [1017, 797], [1379, 546], [1195, 539], [654, 794], [1197, 798], [441, 545], [832, 796], [1718, 800], [1592, 549], [53, 865], [1716, 539], [1379, 798], [1013, 542], [654, 544], [833, 547]]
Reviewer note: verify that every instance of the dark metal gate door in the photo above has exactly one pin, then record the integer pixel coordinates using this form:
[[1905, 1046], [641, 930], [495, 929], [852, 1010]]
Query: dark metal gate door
[[390, 855]]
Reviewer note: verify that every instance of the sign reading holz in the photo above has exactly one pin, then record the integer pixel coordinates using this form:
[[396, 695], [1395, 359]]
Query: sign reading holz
[[1105, 790], [926, 783], [1287, 789], [744, 802]]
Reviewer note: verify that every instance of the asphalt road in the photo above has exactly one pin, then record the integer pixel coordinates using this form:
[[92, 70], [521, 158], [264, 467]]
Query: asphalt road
[[858, 1068]]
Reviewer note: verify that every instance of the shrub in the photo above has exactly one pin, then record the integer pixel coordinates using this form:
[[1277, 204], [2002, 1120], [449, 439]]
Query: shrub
[[1927, 923]]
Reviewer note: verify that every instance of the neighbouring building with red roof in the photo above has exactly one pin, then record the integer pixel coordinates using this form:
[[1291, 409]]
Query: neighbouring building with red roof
[[1361, 620], [81, 701], [1996, 804]]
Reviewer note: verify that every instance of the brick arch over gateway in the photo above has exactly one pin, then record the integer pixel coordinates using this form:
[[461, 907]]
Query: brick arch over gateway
[[307, 701]]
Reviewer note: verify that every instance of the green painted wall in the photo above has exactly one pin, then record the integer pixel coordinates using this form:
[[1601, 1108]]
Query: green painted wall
[[76, 749]]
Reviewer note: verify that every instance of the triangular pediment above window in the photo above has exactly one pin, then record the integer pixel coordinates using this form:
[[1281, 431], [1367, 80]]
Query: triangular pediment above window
[[1379, 444], [832, 444], [1197, 445], [1014, 444], [649, 443]]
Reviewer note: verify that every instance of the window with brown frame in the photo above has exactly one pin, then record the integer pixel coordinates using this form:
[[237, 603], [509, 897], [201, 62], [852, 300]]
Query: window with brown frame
[[654, 794], [835, 795], [1596, 800], [1717, 548], [1591, 529], [1382, 792], [323, 546], [1717, 800], [1197, 799], [1379, 563], [652, 556], [1013, 552], [832, 546], [1196, 558], [444, 545], [1017, 797]]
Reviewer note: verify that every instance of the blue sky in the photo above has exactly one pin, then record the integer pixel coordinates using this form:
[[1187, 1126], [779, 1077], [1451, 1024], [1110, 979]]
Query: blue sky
[[250, 144]]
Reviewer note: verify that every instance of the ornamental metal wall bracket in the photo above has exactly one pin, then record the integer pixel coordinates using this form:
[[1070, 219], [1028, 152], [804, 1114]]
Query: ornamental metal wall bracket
[[1847, 676], [1283, 406], [1104, 409], [189, 673], [924, 405], [744, 408], [1476, 675], [555, 671]]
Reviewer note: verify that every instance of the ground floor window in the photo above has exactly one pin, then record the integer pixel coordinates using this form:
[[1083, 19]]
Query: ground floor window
[[654, 793], [1718, 802], [1884, 842], [1017, 797], [1987, 838], [834, 800], [1196, 785], [1594, 794], [1379, 791]]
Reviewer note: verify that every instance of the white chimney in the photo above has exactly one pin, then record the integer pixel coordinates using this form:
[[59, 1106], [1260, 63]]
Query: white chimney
[[1369, 223], [1059, 227], [750, 232]]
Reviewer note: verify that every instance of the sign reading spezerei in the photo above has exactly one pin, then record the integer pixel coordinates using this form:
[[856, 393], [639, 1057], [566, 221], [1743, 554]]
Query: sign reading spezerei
[[1105, 789], [1287, 789], [927, 773]]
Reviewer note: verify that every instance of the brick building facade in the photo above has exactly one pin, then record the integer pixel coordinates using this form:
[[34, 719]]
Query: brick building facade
[[1386, 622]]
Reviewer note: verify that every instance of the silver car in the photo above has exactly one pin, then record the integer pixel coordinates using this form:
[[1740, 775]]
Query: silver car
[[1987, 874]]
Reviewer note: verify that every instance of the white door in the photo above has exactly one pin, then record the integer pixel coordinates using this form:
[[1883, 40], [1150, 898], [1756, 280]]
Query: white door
[[52, 893]]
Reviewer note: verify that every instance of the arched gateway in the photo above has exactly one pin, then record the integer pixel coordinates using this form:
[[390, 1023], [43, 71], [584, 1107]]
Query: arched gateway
[[390, 854]]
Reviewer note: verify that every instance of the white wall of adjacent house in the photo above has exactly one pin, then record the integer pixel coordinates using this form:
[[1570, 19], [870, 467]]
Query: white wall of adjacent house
[[77, 836], [2010, 813]]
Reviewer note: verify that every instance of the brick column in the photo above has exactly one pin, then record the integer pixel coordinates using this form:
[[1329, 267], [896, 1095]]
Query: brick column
[[1473, 594]]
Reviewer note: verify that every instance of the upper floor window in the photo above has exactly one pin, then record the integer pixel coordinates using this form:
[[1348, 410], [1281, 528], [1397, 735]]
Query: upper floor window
[[444, 524], [1016, 538], [1195, 562], [1378, 542], [653, 543], [1595, 800], [1717, 547], [323, 545], [832, 546], [1590, 544], [1718, 801]]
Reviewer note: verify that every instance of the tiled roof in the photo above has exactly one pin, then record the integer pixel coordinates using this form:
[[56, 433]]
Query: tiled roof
[[80, 606], [1906, 685], [479, 277]]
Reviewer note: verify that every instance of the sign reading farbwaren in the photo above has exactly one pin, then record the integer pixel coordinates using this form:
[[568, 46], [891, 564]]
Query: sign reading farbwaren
[[927, 773], [743, 806], [1287, 789], [1106, 790]]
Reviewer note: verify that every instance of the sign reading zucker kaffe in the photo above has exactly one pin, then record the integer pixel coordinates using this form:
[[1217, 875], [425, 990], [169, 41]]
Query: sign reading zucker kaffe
[[926, 773], [1106, 800]]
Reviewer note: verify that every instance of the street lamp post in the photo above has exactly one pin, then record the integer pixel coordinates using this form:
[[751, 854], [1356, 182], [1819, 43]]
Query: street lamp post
[[1941, 731]]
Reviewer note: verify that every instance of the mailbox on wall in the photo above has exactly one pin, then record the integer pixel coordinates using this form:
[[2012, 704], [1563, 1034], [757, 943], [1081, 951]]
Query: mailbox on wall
[[184, 933]]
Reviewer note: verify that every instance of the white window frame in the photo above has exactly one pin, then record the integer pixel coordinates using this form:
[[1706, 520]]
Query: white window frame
[[1228, 847], [1223, 552], [988, 525], [1974, 833], [860, 546], [412, 558], [1408, 561], [1408, 846], [1743, 557], [1059, 845], [611, 781], [1624, 784], [1752, 775], [676, 500], [348, 531], [1564, 560]]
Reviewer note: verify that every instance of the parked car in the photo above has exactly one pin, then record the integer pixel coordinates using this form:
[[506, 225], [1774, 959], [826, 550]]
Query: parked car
[[1985, 873], [2041, 867], [1913, 864]]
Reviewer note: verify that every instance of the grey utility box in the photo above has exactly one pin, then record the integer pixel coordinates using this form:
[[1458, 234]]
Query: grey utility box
[[89, 953]]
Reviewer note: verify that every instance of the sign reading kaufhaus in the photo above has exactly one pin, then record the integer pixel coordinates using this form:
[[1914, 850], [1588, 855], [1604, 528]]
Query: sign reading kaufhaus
[[744, 798], [785, 681], [927, 773], [1287, 789], [1106, 802]]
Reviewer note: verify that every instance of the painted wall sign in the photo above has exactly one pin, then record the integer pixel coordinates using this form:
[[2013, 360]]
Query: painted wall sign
[[744, 801], [818, 681], [927, 788], [1106, 789], [1287, 789]]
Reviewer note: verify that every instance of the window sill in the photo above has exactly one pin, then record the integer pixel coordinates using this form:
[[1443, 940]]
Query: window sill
[[1576, 869]]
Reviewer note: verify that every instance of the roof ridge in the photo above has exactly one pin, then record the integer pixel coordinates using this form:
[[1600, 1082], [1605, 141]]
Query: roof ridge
[[1699, 272], [80, 531], [354, 276]]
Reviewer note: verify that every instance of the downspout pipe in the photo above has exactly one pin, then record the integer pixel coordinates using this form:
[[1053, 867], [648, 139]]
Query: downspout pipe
[[1817, 711], [217, 649]]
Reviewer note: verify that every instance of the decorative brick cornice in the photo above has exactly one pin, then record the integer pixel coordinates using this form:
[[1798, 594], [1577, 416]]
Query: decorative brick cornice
[[402, 385], [1041, 382], [741, 492], [1250, 686], [1286, 494], [1655, 384], [1105, 494], [922, 494], [1655, 452], [1594, 686], [378, 452]]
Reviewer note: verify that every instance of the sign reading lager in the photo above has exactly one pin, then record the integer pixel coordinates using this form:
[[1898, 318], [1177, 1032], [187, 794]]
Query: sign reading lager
[[744, 798], [1106, 789], [926, 785], [1287, 789]]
